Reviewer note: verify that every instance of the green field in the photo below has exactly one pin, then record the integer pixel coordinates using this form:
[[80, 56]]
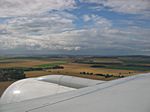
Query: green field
[[57, 63], [133, 67]]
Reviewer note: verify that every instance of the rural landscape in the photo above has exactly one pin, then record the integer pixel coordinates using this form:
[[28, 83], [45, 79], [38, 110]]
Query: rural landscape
[[93, 67]]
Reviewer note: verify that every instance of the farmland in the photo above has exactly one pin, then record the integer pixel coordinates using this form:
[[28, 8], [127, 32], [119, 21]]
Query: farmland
[[125, 66], [100, 68]]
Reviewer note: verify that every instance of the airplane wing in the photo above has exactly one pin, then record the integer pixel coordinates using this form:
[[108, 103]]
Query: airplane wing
[[131, 94]]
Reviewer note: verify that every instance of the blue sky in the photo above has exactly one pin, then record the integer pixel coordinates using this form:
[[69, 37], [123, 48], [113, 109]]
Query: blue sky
[[96, 27]]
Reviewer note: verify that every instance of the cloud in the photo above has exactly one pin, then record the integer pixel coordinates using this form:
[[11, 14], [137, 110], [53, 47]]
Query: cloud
[[45, 31], [42, 24], [50, 26], [97, 21], [31, 7], [124, 6], [50, 35], [86, 18]]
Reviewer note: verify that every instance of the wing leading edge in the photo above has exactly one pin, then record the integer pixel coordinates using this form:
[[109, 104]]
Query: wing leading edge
[[131, 94]]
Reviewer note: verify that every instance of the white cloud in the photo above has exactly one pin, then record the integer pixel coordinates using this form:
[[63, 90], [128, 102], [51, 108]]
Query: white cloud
[[86, 18], [129, 6], [31, 7], [42, 24], [97, 21], [57, 32], [30, 28], [125, 6]]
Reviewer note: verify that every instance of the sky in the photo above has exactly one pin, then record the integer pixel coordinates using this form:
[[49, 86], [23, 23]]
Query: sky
[[90, 27]]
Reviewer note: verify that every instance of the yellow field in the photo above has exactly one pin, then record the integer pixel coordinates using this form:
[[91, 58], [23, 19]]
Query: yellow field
[[25, 63], [77, 68], [36, 73], [69, 68], [74, 69]]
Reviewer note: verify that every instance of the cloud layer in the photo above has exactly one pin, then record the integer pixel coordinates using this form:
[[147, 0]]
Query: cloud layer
[[125, 6], [31, 7], [54, 26]]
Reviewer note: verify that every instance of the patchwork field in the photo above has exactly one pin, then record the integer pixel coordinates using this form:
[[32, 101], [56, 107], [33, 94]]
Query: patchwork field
[[100, 68]]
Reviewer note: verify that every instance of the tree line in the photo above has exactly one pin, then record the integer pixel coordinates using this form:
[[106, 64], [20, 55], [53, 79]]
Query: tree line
[[103, 75], [9, 74]]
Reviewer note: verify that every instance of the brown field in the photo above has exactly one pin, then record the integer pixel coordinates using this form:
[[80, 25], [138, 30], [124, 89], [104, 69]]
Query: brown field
[[4, 85], [24, 63], [70, 68], [74, 69], [77, 68], [36, 73]]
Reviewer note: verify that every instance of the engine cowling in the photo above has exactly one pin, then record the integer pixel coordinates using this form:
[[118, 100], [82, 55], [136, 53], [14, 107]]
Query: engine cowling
[[31, 88]]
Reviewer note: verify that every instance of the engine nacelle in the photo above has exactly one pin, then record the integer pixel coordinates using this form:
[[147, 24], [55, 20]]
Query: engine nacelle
[[31, 88]]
